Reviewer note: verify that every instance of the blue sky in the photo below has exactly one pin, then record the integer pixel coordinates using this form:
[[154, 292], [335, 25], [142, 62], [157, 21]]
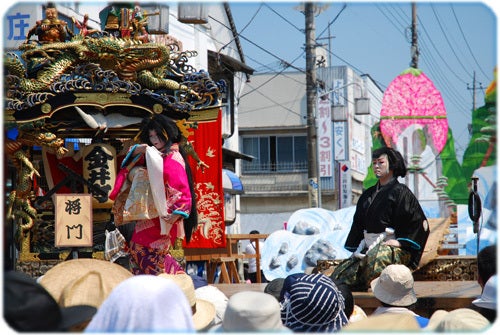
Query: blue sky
[[455, 40]]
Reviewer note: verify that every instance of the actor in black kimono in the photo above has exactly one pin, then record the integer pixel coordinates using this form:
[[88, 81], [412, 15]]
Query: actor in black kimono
[[389, 225]]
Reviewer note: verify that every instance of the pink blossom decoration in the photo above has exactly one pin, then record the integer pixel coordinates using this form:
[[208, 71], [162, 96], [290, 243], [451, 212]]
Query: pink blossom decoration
[[412, 98]]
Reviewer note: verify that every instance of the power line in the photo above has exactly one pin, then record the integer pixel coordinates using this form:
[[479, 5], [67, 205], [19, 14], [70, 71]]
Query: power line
[[445, 62], [446, 38], [275, 103], [331, 22], [390, 21], [467, 43], [261, 48], [284, 19], [243, 29], [267, 81]]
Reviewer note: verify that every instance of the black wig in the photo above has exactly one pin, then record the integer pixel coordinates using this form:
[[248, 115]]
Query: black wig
[[396, 160]]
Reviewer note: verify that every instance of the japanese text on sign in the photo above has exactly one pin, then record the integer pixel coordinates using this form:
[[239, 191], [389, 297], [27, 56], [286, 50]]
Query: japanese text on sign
[[17, 22], [325, 146], [97, 161], [345, 197], [73, 220], [340, 143]]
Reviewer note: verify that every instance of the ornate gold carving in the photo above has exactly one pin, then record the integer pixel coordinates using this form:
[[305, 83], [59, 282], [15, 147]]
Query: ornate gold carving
[[209, 114], [157, 108], [102, 98], [46, 108]]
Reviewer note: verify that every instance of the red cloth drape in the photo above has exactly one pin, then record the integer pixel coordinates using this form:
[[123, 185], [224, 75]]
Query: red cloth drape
[[54, 175], [207, 143]]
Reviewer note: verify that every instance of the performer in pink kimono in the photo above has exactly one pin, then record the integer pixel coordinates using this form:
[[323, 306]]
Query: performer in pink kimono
[[163, 211]]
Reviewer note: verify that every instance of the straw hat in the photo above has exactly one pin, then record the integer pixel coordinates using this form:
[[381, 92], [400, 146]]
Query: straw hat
[[394, 286], [29, 307], [203, 310], [216, 297], [83, 281]]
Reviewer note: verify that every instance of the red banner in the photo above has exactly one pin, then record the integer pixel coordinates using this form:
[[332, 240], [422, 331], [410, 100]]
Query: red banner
[[207, 143]]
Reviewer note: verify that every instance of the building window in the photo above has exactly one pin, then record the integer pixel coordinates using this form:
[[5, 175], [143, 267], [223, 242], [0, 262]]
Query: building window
[[275, 154]]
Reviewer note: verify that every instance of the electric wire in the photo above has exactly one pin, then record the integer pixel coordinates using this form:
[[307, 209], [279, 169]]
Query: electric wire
[[284, 19], [447, 39], [268, 81], [242, 29], [332, 21], [466, 42], [437, 72], [445, 62], [389, 20]]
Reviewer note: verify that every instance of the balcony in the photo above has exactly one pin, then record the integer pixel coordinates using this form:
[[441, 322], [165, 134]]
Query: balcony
[[275, 182], [287, 177]]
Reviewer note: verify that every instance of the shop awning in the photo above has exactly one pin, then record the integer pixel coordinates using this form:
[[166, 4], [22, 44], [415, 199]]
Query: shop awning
[[231, 183], [230, 62], [236, 155]]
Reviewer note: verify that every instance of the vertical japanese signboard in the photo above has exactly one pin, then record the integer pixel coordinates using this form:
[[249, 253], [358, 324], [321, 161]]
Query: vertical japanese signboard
[[73, 218], [325, 145], [99, 169], [345, 184], [340, 143]]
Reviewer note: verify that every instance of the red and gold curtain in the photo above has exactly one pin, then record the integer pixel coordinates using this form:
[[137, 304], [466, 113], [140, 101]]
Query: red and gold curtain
[[207, 143]]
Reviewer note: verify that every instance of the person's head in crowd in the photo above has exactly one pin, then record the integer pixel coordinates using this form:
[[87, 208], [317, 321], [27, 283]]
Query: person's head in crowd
[[390, 322], [29, 307], [394, 289], [144, 303], [274, 287], [254, 232], [486, 264], [198, 281], [358, 314], [486, 304], [457, 320], [217, 298], [313, 303], [287, 283], [252, 311], [352, 311], [83, 281], [348, 298], [394, 286], [203, 310]]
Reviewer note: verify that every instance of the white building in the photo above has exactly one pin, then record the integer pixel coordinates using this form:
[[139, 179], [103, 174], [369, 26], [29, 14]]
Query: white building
[[272, 126]]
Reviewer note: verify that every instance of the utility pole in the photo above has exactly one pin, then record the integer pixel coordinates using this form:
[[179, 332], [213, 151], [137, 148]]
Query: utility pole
[[414, 39], [474, 88], [414, 64], [312, 140]]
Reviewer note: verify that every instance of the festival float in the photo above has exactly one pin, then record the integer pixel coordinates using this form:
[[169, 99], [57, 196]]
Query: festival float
[[73, 103], [72, 108], [458, 199], [413, 120]]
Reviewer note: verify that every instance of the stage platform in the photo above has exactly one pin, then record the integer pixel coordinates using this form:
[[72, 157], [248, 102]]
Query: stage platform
[[432, 295]]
